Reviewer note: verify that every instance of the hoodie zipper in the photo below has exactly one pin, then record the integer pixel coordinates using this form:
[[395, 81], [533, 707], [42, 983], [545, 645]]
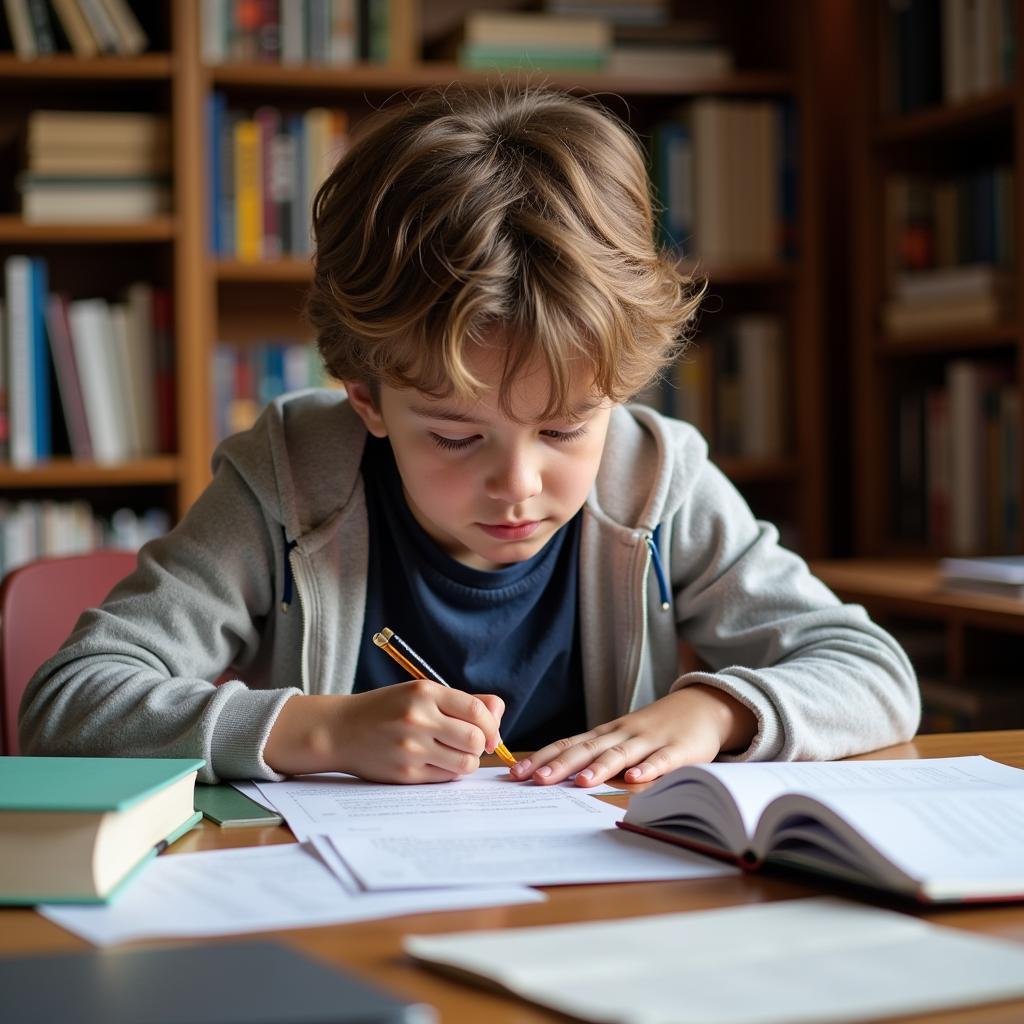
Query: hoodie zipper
[[651, 557], [291, 587]]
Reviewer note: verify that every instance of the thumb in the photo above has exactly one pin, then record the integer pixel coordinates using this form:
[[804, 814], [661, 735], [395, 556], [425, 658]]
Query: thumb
[[496, 706]]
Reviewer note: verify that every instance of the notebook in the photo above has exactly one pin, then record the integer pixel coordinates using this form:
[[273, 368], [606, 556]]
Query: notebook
[[74, 829], [216, 983], [226, 807]]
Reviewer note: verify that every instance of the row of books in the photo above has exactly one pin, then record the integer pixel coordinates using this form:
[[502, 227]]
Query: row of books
[[85, 377], [86, 28], [336, 32], [95, 166], [44, 529], [958, 461], [725, 172], [647, 13], [584, 38], [948, 298], [945, 222], [246, 377], [264, 169], [731, 386], [946, 51]]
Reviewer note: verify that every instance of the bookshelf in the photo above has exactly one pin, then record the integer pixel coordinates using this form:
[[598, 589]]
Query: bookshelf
[[915, 467], [219, 298]]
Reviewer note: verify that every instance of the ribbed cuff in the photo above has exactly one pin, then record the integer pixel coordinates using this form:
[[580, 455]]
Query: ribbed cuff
[[240, 733], [769, 739]]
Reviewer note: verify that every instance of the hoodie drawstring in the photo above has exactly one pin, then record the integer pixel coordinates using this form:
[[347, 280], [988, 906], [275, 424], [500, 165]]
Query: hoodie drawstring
[[289, 581], [659, 569]]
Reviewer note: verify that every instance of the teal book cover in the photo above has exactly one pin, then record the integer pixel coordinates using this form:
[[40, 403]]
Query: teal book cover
[[87, 784]]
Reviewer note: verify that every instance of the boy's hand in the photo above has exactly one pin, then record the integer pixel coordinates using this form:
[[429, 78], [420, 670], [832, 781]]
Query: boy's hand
[[689, 726], [410, 732]]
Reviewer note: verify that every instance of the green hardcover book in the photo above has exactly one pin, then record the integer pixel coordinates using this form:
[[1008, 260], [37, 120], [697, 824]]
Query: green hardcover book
[[226, 806], [74, 829]]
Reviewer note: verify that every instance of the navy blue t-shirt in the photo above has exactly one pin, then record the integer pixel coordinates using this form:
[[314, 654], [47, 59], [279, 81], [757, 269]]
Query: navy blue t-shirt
[[512, 631]]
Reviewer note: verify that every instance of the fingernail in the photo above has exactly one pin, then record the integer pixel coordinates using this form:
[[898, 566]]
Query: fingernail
[[544, 772], [521, 769], [634, 773], [586, 775]]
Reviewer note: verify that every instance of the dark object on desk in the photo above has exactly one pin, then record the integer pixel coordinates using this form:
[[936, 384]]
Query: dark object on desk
[[226, 806], [216, 983]]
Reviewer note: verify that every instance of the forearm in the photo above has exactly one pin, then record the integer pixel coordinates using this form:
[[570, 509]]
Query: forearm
[[302, 739]]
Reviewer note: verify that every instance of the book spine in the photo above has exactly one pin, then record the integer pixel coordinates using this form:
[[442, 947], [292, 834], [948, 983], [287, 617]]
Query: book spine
[[21, 377], [248, 191], [90, 333], [269, 121], [41, 362], [68, 384]]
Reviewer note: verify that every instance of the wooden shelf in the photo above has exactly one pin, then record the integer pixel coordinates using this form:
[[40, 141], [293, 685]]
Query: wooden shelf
[[65, 67], [914, 587], [997, 336], [952, 122], [389, 78], [285, 271], [14, 229], [65, 472]]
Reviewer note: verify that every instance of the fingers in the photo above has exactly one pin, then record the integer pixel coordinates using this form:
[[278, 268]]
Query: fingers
[[483, 712]]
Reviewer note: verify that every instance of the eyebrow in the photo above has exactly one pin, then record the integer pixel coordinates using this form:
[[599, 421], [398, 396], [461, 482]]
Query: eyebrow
[[451, 415]]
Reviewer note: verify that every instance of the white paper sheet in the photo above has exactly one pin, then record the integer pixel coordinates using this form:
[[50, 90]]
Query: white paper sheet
[[252, 791], [793, 962], [259, 888], [607, 854], [485, 801]]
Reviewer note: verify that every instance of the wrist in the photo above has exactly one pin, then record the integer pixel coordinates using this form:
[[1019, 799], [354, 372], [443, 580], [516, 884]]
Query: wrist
[[302, 739], [735, 723]]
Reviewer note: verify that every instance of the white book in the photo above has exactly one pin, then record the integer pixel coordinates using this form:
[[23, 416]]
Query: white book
[[880, 824], [998, 569], [788, 962], [759, 348], [21, 384], [92, 336], [123, 361], [213, 18]]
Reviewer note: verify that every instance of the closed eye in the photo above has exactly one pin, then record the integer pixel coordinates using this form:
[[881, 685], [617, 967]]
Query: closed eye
[[565, 435], [452, 444]]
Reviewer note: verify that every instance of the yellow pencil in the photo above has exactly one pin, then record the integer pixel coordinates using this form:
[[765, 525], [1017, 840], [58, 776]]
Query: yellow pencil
[[391, 643]]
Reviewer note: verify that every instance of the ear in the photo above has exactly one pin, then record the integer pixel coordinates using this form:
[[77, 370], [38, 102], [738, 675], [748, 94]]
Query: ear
[[361, 399]]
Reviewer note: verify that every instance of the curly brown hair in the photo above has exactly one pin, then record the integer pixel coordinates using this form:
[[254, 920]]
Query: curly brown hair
[[519, 209]]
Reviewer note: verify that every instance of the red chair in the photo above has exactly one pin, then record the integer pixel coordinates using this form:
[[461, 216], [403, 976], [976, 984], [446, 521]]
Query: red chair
[[39, 605]]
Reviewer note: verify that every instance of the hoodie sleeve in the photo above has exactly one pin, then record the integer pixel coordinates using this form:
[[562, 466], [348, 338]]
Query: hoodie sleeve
[[823, 680], [133, 679]]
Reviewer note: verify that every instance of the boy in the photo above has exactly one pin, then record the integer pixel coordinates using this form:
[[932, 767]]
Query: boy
[[488, 290]]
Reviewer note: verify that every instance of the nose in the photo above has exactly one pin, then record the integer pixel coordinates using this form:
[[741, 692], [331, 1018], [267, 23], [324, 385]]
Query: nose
[[513, 478]]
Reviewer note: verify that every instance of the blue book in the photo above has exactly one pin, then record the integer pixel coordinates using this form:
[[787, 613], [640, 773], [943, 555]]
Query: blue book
[[40, 360]]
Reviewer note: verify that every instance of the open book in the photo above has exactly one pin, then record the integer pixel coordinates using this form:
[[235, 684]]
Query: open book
[[941, 830]]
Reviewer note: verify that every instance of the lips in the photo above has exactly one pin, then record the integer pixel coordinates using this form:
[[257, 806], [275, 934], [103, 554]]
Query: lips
[[511, 531]]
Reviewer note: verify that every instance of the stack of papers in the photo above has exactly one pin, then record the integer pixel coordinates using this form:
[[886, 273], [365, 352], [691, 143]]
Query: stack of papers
[[479, 830], [371, 850]]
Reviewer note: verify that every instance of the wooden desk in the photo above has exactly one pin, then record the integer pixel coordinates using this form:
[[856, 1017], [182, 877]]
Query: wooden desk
[[373, 948]]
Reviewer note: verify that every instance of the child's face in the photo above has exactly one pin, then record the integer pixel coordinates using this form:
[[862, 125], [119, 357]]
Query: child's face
[[489, 488]]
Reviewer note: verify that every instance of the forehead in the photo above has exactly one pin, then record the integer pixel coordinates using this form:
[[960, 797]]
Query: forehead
[[528, 391]]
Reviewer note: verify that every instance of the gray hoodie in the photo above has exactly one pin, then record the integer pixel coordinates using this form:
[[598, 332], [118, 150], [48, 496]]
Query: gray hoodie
[[267, 574]]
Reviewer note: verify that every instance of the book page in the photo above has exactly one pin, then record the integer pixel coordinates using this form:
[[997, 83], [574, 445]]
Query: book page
[[959, 844], [754, 786], [778, 963]]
